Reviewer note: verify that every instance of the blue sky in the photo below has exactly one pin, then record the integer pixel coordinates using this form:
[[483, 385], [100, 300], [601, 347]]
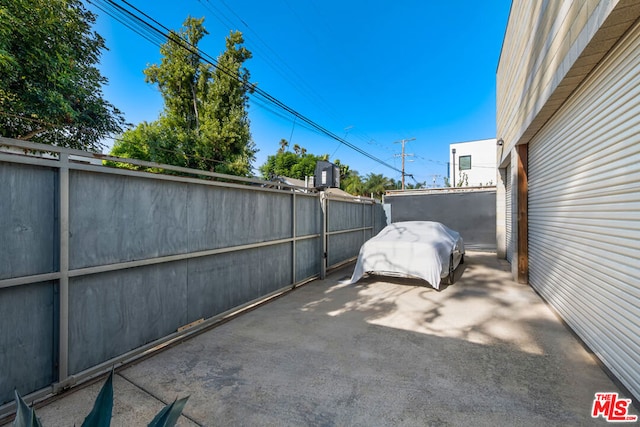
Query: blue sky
[[374, 72]]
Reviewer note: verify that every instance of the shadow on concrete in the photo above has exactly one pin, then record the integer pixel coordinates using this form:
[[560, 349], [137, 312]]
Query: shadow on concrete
[[484, 351]]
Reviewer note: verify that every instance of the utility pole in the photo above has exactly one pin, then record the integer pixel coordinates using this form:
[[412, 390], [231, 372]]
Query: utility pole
[[453, 171], [403, 155]]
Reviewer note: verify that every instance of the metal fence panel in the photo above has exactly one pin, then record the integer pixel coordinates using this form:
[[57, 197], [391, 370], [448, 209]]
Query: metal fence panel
[[27, 340], [342, 247], [115, 312], [308, 258], [367, 212], [28, 225], [471, 213], [349, 225], [221, 282], [220, 217], [121, 218], [379, 219], [344, 215], [112, 262], [308, 215]]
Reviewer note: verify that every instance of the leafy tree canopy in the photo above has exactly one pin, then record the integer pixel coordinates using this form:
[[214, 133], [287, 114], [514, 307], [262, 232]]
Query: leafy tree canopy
[[299, 163], [50, 87], [205, 123], [378, 184], [296, 164], [353, 184], [415, 186]]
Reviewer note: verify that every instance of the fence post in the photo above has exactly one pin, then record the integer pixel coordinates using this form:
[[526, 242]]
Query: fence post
[[325, 218], [293, 235], [373, 220], [63, 349], [364, 226]]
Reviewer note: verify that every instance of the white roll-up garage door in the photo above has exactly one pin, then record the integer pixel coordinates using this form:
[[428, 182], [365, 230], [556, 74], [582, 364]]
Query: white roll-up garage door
[[584, 211], [508, 215]]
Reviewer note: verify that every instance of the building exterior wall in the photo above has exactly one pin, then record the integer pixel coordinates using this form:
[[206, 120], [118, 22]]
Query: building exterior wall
[[567, 91], [482, 159], [548, 49], [501, 213], [583, 220]]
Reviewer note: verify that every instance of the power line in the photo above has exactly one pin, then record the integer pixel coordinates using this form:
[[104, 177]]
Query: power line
[[252, 89], [272, 58]]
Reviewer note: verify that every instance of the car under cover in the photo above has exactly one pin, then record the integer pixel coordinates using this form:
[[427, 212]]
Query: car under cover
[[421, 249]]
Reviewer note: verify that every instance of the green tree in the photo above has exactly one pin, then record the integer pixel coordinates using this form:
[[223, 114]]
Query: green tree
[[416, 186], [204, 124], [283, 145], [50, 87], [352, 184], [153, 142], [225, 130], [378, 184], [345, 170], [296, 164]]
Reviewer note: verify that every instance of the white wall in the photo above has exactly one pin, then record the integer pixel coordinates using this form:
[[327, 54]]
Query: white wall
[[483, 162]]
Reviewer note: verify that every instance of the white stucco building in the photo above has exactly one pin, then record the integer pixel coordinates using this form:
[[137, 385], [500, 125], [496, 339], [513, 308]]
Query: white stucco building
[[476, 160]]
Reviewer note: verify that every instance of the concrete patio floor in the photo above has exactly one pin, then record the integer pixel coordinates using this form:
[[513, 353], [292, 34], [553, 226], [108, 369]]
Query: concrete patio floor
[[484, 351]]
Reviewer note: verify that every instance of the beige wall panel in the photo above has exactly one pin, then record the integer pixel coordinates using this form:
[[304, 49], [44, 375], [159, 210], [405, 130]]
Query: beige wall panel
[[549, 49]]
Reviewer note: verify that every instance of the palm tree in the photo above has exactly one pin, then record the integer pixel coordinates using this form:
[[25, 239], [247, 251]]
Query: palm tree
[[417, 185], [283, 145], [352, 184], [378, 184]]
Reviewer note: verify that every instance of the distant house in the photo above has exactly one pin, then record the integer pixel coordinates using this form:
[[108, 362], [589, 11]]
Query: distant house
[[473, 162], [568, 198]]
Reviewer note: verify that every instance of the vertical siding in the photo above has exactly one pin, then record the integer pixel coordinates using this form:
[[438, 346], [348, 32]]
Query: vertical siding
[[584, 199], [508, 214]]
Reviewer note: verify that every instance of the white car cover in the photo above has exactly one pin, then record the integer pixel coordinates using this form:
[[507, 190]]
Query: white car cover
[[409, 249]]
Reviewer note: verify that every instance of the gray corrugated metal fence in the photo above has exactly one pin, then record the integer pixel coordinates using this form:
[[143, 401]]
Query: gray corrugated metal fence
[[469, 211], [101, 264]]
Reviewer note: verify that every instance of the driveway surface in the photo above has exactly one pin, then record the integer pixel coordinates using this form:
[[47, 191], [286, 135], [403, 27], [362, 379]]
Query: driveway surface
[[383, 352]]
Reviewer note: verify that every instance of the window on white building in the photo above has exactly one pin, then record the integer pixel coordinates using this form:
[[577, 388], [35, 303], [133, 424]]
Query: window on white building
[[465, 162]]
